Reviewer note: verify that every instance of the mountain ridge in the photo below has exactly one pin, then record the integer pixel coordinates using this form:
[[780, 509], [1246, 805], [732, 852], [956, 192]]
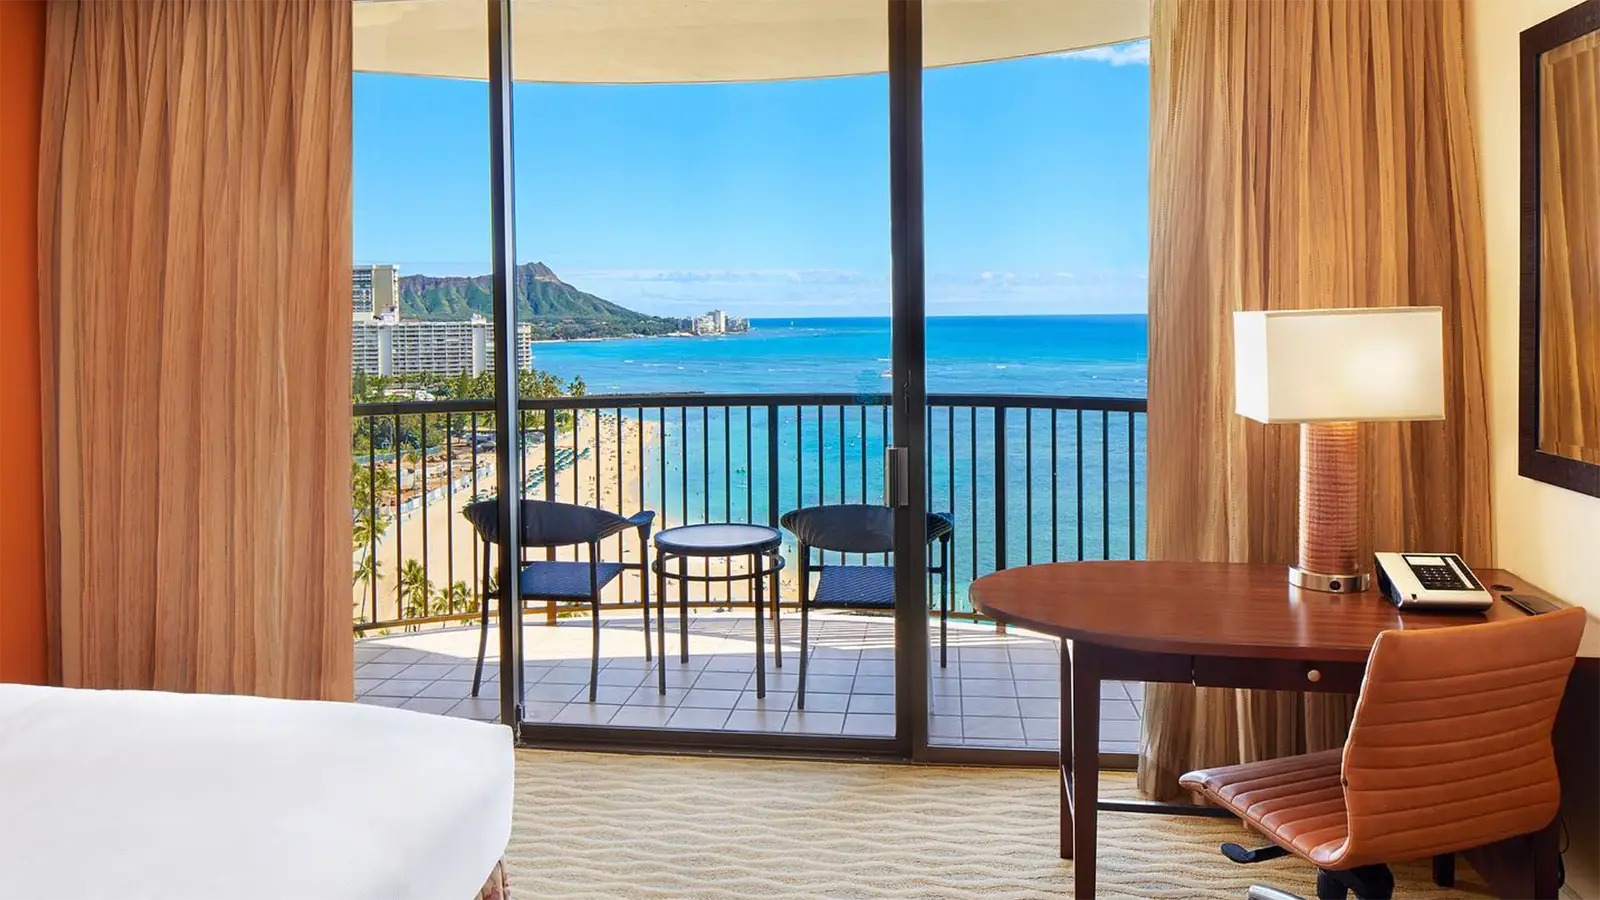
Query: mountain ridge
[[555, 309]]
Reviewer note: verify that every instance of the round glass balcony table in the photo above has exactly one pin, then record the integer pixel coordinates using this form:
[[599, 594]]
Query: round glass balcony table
[[757, 544]]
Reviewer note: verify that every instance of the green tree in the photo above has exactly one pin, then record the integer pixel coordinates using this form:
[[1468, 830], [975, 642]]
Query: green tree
[[458, 598], [369, 496], [416, 591], [379, 441], [367, 573], [370, 487]]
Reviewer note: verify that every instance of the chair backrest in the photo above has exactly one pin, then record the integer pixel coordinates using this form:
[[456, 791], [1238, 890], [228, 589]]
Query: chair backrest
[[843, 527], [546, 523], [1450, 744], [855, 527]]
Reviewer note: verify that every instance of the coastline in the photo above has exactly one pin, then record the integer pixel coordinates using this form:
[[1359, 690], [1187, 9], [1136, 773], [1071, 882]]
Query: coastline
[[633, 337], [453, 553]]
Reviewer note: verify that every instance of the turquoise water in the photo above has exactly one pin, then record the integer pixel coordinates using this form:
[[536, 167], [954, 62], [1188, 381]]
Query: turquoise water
[[717, 459], [1060, 355]]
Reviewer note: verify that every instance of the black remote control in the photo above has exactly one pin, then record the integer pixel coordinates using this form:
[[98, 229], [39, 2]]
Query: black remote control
[[1531, 605]]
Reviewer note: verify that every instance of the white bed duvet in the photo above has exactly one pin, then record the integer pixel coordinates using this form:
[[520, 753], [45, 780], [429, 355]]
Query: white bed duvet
[[127, 795]]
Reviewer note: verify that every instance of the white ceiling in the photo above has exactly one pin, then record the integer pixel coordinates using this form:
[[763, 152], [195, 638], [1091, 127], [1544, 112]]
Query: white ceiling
[[690, 41]]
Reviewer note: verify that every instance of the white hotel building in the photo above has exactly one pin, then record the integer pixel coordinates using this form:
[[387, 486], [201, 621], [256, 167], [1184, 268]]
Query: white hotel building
[[374, 290], [383, 343]]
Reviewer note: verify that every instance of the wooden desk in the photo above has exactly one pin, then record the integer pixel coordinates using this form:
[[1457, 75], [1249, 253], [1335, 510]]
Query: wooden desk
[[1212, 625]]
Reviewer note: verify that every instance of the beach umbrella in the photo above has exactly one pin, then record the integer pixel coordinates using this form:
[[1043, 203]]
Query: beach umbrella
[[695, 41]]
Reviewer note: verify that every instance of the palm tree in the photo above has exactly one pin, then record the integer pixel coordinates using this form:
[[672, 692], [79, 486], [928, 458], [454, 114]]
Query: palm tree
[[365, 533], [369, 488], [365, 575], [416, 591], [366, 530], [458, 598]]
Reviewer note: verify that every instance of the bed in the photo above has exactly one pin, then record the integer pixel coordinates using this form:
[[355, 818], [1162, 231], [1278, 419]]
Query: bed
[[142, 794]]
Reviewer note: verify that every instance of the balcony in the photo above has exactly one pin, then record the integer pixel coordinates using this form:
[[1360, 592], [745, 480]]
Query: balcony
[[1027, 479]]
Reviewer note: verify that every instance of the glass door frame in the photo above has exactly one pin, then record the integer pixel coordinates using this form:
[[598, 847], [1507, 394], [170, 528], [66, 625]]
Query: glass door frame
[[502, 188], [908, 363]]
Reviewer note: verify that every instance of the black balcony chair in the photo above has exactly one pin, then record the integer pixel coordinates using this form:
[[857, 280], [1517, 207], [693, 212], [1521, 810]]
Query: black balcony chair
[[865, 529], [547, 524]]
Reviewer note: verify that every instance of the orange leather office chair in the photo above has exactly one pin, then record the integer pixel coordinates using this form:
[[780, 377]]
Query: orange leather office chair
[[1449, 750]]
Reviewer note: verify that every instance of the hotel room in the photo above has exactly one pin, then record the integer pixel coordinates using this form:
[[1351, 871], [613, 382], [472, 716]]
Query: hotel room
[[1035, 286]]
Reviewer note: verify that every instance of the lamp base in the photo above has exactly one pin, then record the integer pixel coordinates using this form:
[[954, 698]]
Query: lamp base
[[1330, 584], [1330, 502]]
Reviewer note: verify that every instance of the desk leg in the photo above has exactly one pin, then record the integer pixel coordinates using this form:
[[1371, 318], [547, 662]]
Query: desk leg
[[1065, 751], [1085, 766], [1547, 861], [1528, 865]]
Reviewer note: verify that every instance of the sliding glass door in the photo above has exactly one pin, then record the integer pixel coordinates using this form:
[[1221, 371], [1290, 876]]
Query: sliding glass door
[[1037, 241], [703, 284]]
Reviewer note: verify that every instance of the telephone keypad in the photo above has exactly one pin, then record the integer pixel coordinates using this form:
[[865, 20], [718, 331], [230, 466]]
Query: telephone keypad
[[1438, 578]]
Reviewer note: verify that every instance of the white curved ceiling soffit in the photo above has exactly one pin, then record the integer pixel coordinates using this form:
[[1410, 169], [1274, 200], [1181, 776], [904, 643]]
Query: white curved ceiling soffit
[[694, 41]]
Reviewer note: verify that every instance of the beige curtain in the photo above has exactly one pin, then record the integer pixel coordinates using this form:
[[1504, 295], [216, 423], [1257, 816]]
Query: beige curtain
[[194, 280], [1569, 281], [1305, 154]]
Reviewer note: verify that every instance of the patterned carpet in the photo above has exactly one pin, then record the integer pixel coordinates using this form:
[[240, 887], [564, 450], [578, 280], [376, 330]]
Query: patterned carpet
[[591, 825]]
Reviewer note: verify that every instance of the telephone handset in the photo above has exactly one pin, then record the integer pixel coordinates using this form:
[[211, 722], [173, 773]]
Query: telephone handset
[[1430, 581]]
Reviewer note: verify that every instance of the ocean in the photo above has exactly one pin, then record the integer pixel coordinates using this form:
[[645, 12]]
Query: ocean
[[1074, 486], [1102, 356]]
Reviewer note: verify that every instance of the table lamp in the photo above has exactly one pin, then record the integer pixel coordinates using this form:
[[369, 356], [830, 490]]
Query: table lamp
[[1329, 370]]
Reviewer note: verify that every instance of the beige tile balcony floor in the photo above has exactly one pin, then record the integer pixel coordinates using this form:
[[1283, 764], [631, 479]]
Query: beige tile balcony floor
[[999, 690]]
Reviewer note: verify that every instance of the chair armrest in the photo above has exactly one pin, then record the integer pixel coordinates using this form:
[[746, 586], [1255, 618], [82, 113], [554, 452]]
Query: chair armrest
[[643, 520], [617, 524]]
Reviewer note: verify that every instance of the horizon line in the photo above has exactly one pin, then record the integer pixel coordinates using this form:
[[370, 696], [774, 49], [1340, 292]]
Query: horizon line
[[1021, 315]]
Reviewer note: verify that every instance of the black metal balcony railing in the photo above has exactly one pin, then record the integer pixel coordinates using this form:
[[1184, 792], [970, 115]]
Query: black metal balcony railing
[[1027, 478]]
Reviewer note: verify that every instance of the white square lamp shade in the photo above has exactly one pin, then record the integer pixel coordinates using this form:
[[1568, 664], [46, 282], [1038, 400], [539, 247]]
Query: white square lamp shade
[[1345, 365], [1329, 369]]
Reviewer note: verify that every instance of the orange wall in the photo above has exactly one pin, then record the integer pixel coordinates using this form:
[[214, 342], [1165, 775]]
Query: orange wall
[[23, 643]]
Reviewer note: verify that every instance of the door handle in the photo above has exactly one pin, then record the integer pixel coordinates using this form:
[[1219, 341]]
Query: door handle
[[896, 478]]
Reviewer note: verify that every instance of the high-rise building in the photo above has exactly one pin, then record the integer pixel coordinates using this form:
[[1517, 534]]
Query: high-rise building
[[385, 290], [714, 322], [388, 345], [374, 290], [361, 291]]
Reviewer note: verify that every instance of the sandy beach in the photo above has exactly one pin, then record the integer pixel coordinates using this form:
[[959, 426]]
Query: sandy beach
[[440, 534]]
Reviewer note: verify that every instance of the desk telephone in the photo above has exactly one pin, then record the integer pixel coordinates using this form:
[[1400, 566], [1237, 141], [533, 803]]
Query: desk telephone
[[1430, 581]]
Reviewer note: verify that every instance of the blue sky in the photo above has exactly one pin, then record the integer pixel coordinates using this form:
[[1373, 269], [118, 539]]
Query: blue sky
[[771, 199]]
